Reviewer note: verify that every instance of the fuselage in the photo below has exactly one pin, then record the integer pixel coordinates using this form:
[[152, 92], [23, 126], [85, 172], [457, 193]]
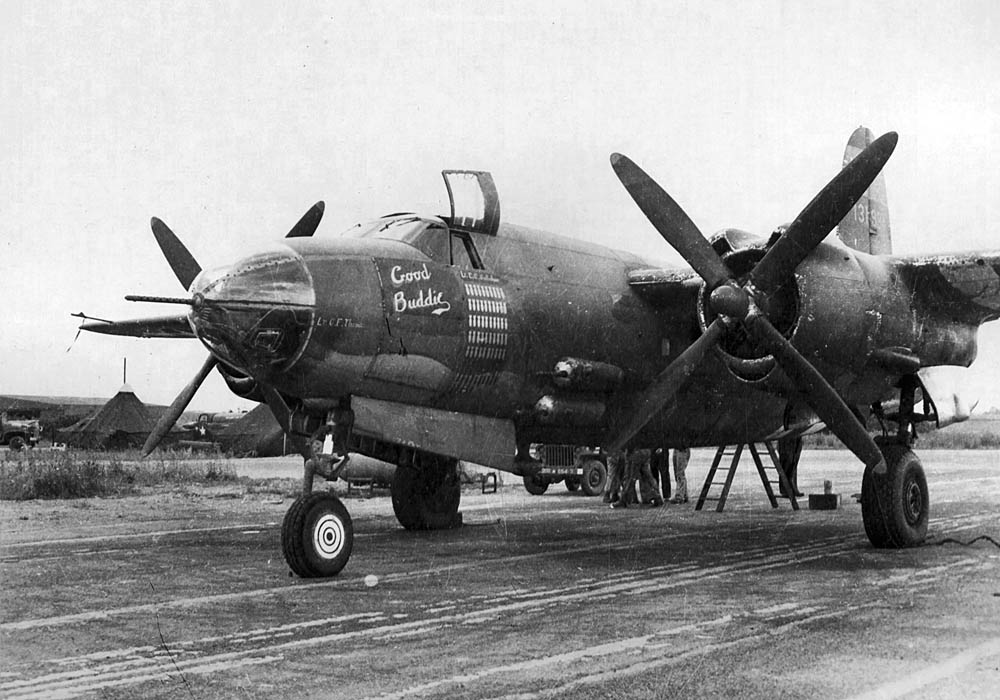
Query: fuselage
[[405, 310]]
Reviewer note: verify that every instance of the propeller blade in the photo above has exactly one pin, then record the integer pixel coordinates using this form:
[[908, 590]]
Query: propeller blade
[[665, 386], [175, 410], [670, 220], [278, 407], [181, 261], [307, 225], [825, 211], [818, 393]]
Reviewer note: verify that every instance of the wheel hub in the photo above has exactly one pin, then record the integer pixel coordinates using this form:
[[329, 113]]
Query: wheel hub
[[328, 536], [913, 501]]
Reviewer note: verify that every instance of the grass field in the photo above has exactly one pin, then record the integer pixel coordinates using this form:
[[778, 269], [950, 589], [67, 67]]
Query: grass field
[[47, 474]]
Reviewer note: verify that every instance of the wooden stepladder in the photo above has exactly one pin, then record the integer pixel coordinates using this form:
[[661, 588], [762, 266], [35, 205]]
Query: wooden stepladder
[[736, 451]]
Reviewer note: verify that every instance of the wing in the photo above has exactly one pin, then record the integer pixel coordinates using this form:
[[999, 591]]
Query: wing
[[156, 327], [665, 287], [964, 286]]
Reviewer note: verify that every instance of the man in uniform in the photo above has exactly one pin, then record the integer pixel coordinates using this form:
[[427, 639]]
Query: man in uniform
[[659, 464], [637, 469], [681, 457], [789, 451], [616, 466]]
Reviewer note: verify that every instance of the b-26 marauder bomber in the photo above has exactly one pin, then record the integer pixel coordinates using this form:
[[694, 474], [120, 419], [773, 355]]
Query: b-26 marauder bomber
[[425, 340]]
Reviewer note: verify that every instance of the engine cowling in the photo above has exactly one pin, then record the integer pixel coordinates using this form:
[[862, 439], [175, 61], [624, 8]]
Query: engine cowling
[[240, 384], [741, 251]]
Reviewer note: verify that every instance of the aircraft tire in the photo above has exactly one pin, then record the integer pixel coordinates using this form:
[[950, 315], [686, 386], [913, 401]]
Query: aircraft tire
[[427, 499], [595, 477], [535, 485], [572, 483], [317, 535], [16, 443], [895, 506]]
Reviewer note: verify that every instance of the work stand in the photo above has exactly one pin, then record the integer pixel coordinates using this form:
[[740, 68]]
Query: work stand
[[736, 452]]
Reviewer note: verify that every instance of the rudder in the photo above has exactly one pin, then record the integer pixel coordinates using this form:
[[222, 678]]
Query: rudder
[[866, 227]]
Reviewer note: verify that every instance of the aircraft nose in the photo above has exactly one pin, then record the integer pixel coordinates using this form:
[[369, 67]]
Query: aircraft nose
[[256, 315]]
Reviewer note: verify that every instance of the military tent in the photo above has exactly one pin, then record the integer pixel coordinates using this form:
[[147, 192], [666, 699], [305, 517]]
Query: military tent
[[124, 421]]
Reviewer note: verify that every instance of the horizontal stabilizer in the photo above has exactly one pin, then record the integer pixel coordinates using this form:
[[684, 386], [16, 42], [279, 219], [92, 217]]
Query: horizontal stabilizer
[[156, 327]]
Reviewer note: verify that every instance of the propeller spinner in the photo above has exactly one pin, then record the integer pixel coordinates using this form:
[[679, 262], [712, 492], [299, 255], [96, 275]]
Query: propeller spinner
[[738, 306]]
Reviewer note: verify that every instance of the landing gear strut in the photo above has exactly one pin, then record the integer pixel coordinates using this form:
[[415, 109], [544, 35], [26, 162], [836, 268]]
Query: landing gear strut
[[895, 506], [317, 534]]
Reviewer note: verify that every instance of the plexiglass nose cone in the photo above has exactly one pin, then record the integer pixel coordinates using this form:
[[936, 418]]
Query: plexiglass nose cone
[[256, 315]]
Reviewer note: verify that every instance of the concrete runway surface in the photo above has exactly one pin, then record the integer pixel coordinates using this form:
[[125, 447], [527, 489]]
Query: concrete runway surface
[[184, 594]]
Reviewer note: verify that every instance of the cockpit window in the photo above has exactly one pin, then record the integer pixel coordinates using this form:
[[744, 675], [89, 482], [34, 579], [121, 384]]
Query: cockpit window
[[431, 237]]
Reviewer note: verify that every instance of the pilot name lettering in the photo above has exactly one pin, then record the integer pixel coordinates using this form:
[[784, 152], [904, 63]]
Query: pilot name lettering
[[335, 322], [426, 299], [399, 277]]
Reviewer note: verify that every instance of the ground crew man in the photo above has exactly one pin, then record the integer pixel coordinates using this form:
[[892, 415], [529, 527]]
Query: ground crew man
[[659, 464], [637, 469], [789, 451], [616, 467], [681, 457]]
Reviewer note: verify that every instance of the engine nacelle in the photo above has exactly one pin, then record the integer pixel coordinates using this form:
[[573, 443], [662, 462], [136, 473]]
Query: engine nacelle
[[240, 384]]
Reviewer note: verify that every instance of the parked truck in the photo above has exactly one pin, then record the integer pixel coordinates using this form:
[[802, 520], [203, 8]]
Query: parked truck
[[579, 467], [19, 429]]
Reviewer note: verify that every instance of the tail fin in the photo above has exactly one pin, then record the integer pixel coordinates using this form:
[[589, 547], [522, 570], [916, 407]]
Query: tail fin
[[866, 227]]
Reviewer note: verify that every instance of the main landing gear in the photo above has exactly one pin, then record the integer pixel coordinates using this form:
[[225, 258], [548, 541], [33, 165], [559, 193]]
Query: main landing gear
[[895, 506], [317, 535], [426, 491]]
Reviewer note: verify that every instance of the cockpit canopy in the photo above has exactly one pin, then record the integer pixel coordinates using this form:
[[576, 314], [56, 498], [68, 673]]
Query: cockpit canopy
[[428, 234]]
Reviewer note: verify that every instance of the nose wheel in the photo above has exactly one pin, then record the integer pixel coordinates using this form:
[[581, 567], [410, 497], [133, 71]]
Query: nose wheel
[[317, 535]]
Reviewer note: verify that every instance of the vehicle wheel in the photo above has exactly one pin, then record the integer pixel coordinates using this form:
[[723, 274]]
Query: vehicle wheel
[[595, 476], [572, 483], [427, 499], [895, 506], [317, 535], [16, 443], [535, 484]]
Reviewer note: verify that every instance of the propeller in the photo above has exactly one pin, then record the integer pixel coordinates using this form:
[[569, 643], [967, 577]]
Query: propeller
[[179, 258], [186, 268], [737, 304], [174, 411], [307, 225]]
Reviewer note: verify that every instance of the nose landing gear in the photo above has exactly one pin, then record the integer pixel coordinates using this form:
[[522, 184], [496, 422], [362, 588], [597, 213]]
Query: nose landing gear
[[317, 534]]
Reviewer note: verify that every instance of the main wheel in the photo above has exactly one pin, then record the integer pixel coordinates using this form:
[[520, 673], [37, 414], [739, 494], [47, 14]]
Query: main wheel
[[535, 484], [572, 483], [317, 535], [895, 506], [427, 499], [595, 476], [16, 443]]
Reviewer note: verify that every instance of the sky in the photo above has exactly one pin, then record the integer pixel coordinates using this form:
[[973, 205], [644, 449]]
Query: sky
[[229, 120]]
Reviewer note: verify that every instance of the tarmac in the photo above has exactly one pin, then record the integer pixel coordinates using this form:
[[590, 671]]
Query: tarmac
[[184, 593]]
